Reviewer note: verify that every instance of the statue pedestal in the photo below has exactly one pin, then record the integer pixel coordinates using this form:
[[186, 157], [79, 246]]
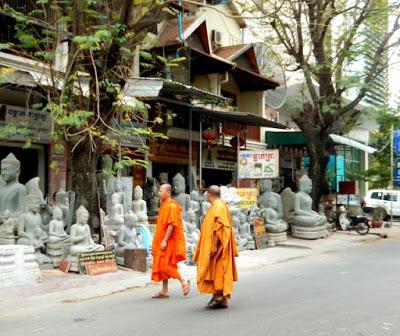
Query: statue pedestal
[[18, 265], [56, 252], [277, 237], [310, 232], [8, 240]]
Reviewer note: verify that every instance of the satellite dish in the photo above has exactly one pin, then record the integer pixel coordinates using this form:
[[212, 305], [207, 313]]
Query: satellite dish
[[277, 97]]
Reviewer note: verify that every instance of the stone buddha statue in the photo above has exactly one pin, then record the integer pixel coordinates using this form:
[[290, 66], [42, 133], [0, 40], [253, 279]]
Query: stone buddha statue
[[139, 206], [57, 234], [307, 223], [116, 215], [274, 222], [7, 229], [38, 245], [81, 237], [151, 196], [12, 193], [62, 202], [192, 235], [178, 188], [245, 230], [30, 221], [266, 195], [127, 236], [241, 242]]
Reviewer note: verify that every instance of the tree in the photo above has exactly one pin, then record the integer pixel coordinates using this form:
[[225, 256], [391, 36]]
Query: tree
[[85, 97], [327, 40]]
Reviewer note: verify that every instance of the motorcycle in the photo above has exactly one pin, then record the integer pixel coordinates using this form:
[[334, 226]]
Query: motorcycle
[[358, 223]]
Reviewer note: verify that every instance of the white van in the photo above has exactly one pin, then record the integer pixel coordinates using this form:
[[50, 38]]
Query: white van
[[387, 200]]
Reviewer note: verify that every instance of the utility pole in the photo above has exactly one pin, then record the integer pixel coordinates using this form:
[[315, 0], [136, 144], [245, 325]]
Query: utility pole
[[391, 174]]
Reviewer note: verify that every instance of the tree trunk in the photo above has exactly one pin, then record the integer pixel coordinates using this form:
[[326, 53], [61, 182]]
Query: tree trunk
[[83, 179], [319, 158]]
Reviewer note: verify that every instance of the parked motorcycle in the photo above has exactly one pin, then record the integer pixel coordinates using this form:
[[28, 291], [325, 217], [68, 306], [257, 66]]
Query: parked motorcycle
[[358, 223]]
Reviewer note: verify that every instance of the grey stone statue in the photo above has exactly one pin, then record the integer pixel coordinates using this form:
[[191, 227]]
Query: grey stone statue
[[62, 202], [104, 179], [266, 195], [307, 223], [151, 196], [116, 215], [81, 237], [245, 231], [8, 229], [192, 235], [274, 222], [12, 193], [178, 187], [127, 237], [58, 240]]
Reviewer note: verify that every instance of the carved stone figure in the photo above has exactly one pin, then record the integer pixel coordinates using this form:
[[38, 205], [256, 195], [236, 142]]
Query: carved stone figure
[[139, 206], [7, 229], [58, 240], [30, 222], [266, 195], [205, 204], [275, 226], [151, 196], [245, 231], [179, 187], [194, 206], [116, 215], [307, 223], [62, 202], [127, 237], [81, 237], [37, 241], [192, 235], [12, 193], [240, 241]]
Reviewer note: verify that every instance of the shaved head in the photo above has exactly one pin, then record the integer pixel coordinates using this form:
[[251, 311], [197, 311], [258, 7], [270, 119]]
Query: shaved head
[[214, 191], [167, 187]]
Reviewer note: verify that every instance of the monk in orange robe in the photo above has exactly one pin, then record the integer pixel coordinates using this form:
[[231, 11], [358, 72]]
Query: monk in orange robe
[[216, 251], [169, 246]]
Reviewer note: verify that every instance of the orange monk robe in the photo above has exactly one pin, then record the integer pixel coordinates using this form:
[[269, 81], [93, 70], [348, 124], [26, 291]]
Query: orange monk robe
[[165, 263], [216, 251]]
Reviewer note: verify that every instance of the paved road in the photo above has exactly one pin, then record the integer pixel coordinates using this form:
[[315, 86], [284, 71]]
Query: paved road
[[354, 291]]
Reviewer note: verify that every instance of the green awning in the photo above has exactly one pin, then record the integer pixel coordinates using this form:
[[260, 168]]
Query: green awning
[[284, 138]]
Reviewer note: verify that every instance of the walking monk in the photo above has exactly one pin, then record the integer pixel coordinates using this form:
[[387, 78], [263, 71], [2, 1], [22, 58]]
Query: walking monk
[[216, 251], [169, 246]]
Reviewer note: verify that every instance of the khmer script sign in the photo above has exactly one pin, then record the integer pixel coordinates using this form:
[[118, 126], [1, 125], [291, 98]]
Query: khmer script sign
[[248, 196], [259, 164]]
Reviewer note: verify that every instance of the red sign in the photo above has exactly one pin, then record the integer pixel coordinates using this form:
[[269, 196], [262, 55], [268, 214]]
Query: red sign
[[101, 268], [347, 187]]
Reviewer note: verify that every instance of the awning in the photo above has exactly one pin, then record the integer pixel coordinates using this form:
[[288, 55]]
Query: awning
[[243, 118], [297, 138], [352, 143]]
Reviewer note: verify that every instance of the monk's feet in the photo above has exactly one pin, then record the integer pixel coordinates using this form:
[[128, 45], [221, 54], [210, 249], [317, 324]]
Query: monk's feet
[[217, 303], [186, 287], [160, 295]]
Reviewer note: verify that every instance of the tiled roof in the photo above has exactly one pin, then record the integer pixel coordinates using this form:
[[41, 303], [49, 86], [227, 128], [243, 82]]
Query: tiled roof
[[227, 52], [169, 35]]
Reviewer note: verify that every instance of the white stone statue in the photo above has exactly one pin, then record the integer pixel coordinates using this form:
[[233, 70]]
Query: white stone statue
[[38, 245], [81, 237], [57, 234], [62, 202], [12, 193], [139, 206], [192, 235], [116, 215], [178, 187]]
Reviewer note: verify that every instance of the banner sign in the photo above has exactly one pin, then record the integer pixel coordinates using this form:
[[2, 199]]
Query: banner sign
[[259, 164], [37, 123], [396, 140], [219, 157], [248, 196]]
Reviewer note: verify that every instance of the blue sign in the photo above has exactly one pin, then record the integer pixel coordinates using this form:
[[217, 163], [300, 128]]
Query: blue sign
[[396, 140], [396, 172]]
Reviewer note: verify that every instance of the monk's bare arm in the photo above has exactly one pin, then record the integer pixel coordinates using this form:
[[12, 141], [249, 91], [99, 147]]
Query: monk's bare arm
[[168, 234]]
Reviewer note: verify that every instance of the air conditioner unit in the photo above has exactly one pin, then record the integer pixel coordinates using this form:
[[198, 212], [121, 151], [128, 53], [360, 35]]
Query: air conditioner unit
[[216, 37]]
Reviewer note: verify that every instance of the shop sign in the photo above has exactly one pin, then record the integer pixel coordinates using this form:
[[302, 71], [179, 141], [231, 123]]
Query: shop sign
[[219, 157], [248, 196], [174, 151], [259, 164], [38, 123]]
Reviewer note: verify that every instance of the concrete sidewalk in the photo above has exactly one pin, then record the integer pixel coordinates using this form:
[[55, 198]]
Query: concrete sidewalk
[[57, 286]]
